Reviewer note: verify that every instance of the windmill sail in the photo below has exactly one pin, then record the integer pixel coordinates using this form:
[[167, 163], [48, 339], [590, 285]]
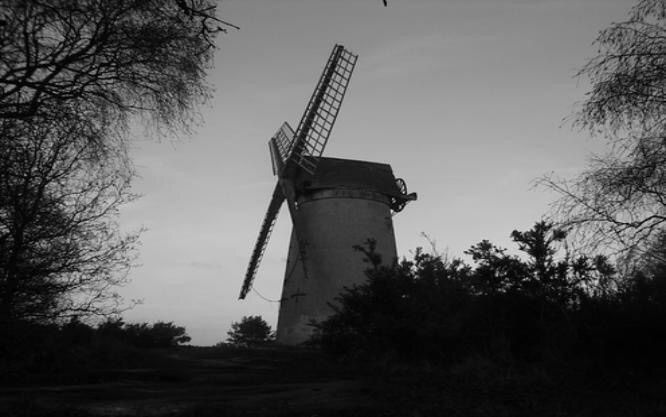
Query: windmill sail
[[262, 240], [280, 146], [291, 151], [322, 110]]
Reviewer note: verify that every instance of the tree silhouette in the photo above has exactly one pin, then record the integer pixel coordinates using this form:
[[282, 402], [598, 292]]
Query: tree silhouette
[[621, 198], [60, 249], [158, 335], [74, 75], [106, 60], [250, 331], [440, 309]]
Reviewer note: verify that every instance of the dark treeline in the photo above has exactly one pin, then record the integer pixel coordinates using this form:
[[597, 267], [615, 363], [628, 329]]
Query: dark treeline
[[570, 311], [73, 351]]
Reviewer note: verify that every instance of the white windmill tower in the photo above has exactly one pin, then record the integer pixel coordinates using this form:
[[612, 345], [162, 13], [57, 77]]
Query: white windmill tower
[[334, 204]]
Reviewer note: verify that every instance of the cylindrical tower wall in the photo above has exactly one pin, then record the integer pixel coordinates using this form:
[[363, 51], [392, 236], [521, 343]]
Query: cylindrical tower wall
[[329, 223]]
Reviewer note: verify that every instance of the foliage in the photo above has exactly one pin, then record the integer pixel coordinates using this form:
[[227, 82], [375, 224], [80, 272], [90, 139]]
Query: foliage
[[621, 197], [73, 351], [73, 76], [60, 249], [160, 334], [250, 331], [105, 60], [537, 307], [562, 281], [400, 310]]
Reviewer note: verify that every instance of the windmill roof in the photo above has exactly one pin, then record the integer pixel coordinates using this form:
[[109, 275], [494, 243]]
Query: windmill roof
[[349, 173]]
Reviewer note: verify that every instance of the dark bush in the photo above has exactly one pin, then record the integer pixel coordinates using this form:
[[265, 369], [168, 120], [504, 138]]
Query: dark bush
[[250, 331], [49, 353], [531, 309], [159, 335]]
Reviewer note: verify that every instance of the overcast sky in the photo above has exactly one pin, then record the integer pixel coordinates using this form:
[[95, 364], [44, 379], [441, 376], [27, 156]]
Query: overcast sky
[[464, 98]]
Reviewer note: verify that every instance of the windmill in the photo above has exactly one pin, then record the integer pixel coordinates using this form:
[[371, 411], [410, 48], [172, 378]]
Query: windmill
[[334, 204]]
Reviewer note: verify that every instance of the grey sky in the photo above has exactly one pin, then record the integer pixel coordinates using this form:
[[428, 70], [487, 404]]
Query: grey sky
[[465, 99]]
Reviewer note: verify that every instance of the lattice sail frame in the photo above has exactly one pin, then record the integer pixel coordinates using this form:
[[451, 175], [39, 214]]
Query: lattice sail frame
[[280, 146], [322, 110], [262, 241]]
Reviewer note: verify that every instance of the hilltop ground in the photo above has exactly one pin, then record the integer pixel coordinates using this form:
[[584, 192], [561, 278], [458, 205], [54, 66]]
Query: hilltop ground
[[284, 382]]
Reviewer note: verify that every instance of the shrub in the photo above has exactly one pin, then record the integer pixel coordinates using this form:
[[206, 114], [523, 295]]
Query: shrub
[[534, 308], [250, 331]]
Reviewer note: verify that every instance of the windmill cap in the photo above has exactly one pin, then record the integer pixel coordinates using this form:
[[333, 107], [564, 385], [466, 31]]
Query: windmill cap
[[335, 173]]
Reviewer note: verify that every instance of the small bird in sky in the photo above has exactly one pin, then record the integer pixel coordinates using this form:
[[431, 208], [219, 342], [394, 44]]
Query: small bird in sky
[[385, 3]]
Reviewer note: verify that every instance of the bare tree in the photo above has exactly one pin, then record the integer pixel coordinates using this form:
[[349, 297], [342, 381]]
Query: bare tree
[[73, 76], [60, 249], [106, 60], [621, 197]]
